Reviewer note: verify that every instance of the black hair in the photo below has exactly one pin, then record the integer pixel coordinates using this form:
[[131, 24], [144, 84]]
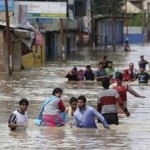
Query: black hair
[[119, 75], [100, 63], [110, 62], [24, 101], [57, 90], [105, 82], [104, 57], [88, 66], [73, 99], [82, 98]]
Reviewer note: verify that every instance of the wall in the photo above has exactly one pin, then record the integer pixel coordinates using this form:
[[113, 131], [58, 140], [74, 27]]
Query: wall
[[135, 35], [105, 29], [1, 52]]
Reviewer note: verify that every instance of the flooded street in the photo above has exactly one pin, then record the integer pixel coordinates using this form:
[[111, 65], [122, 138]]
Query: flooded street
[[36, 84]]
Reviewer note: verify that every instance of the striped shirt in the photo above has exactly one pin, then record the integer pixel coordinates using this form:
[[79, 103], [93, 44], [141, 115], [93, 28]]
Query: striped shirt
[[19, 118], [107, 99]]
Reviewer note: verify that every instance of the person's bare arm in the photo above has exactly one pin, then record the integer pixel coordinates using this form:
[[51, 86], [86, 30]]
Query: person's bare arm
[[123, 107], [133, 92]]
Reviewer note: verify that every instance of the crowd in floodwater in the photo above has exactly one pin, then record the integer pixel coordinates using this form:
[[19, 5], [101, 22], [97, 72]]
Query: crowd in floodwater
[[53, 112], [106, 69]]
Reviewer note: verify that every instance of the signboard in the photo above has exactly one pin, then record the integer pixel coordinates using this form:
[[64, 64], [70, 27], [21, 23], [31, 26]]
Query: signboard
[[20, 15], [10, 5], [45, 9]]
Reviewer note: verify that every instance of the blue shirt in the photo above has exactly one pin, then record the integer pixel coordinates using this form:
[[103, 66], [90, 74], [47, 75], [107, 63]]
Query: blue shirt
[[86, 118]]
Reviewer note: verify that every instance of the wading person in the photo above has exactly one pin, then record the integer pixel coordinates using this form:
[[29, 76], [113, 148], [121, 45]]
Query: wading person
[[142, 63], [85, 115], [19, 118], [106, 103], [72, 75], [88, 73], [142, 76], [73, 106], [122, 88], [70, 111], [130, 73], [52, 110], [100, 73]]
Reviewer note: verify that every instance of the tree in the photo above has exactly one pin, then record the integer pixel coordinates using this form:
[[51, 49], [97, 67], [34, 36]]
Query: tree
[[108, 6]]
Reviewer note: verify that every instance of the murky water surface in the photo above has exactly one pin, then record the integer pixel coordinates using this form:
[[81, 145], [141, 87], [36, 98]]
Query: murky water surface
[[37, 84]]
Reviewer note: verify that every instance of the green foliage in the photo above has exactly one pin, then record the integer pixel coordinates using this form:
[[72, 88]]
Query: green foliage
[[135, 19], [108, 6]]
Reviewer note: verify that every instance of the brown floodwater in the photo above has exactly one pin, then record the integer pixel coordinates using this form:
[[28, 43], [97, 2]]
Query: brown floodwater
[[36, 84]]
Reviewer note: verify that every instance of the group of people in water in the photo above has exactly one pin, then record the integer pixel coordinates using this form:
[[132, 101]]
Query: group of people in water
[[106, 69], [53, 112]]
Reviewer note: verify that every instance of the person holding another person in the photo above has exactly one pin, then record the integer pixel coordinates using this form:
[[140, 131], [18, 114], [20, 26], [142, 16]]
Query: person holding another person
[[106, 103], [72, 75], [85, 115], [19, 118]]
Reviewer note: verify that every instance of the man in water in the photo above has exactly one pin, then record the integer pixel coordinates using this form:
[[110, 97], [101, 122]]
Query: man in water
[[19, 118], [85, 115], [122, 88], [106, 103], [143, 76], [142, 63]]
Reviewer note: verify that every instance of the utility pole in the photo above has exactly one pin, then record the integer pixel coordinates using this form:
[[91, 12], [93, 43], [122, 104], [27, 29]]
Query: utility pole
[[8, 44], [92, 26], [62, 41], [126, 19], [113, 26]]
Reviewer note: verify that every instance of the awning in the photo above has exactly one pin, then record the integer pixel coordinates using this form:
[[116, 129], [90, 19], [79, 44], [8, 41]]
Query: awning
[[131, 8], [26, 35]]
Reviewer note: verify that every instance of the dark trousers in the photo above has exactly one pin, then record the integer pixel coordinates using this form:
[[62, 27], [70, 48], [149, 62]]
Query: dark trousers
[[111, 118]]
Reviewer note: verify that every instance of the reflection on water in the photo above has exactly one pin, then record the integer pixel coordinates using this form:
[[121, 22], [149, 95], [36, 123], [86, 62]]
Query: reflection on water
[[37, 84]]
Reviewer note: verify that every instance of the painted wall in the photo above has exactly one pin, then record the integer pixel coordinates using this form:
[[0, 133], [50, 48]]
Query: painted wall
[[135, 35]]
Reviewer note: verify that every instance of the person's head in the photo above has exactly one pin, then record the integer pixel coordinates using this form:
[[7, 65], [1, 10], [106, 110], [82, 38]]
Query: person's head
[[88, 67], [81, 102], [57, 92], [104, 57], [142, 57], [110, 64], [119, 78], [100, 65], [80, 71], [105, 82], [131, 66], [74, 70], [141, 70], [73, 102], [23, 103]]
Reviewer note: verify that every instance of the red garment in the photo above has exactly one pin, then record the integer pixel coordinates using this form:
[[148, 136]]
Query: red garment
[[126, 75], [61, 106], [122, 90]]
